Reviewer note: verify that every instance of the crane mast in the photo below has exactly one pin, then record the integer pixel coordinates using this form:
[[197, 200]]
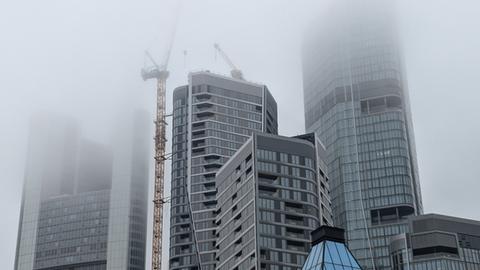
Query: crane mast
[[160, 140], [158, 201], [161, 75]]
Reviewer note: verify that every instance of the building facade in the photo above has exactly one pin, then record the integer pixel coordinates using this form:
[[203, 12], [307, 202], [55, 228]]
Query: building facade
[[271, 195], [70, 207], [213, 116], [437, 242], [356, 100]]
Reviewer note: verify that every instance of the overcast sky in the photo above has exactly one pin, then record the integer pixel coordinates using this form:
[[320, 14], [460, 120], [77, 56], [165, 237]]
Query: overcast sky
[[82, 58]]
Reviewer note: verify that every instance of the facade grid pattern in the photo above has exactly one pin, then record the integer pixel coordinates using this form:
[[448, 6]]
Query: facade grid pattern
[[213, 116], [356, 99], [84, 205], [269, 200]]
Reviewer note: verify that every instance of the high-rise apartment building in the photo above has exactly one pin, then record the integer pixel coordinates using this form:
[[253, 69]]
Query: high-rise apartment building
[[437, 242], [356, 100], [84, 204], [271, 195], [213, 116]]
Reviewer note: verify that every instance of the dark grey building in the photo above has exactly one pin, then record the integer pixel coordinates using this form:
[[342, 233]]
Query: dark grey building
[[213, 116], [70, 216], [437, 242], [271, 195], [356, 100]]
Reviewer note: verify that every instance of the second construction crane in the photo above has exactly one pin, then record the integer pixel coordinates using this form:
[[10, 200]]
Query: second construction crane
[[235, 72]]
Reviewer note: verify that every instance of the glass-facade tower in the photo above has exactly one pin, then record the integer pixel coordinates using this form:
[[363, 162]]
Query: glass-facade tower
[[84, 204], [213, 116], [356, 99]]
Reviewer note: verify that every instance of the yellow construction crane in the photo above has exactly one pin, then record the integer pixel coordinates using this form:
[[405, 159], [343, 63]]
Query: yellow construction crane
[[235, 72], [159, 73]]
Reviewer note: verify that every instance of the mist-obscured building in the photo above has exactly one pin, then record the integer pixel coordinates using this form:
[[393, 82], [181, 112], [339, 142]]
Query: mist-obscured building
[[213, 116], [437, 242], [84, 204], [271, 195], [356, 100]]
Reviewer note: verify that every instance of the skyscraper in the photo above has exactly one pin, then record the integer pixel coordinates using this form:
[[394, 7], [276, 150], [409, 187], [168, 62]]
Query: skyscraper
[[128, 211], [356, 99], [271, 195], [84, 204], [213, 116]]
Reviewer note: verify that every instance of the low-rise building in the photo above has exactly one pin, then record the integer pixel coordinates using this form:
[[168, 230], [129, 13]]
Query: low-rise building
[[329, 251], [437, 242]]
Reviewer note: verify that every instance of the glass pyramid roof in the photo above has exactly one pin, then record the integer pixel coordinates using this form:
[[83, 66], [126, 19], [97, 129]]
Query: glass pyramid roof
[[329, 255]]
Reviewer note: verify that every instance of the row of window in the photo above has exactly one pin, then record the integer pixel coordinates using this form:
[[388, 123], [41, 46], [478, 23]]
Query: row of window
[[228, 120], [286, 170], [213, 127], [226, 92], [217, 142], [214, 108], [76, 201], [75, 259], [366, 126], [287, 182], [285, 158], [227, 102], [300, 196], [213, 150], [79, 209]]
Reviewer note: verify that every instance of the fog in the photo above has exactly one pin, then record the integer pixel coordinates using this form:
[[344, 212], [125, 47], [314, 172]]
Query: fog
[[82, 59]]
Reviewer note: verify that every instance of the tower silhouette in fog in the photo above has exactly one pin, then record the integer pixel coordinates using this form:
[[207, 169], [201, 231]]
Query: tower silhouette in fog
[[84, 204], [356, 99]]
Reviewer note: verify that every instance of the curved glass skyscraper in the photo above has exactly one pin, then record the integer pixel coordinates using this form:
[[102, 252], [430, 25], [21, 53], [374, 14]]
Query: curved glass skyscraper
[[356, 99]]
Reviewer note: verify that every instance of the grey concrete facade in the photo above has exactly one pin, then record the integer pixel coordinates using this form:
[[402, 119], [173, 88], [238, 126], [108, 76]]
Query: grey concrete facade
[[70, 204], [271, 195], [213, 116], [437, 242], [356, 99]]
